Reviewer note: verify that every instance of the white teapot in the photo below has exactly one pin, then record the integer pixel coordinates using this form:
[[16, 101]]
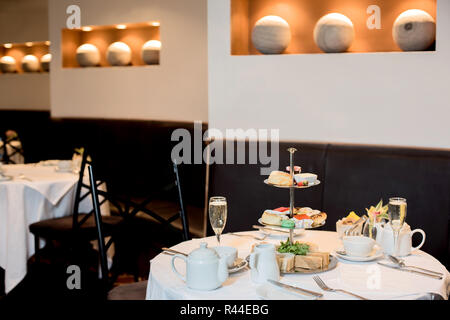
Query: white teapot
[[385, 238], [204, 269]]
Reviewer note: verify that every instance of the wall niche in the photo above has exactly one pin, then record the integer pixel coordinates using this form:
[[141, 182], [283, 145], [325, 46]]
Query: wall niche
[[28, 57], [112, 45], [303, 15]]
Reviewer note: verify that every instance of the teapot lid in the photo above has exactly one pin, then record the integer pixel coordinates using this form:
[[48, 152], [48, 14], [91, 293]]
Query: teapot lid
[[203, 253]]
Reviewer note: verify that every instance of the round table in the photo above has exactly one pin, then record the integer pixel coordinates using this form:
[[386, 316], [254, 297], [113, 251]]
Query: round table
[[368, 279], [35, 193]]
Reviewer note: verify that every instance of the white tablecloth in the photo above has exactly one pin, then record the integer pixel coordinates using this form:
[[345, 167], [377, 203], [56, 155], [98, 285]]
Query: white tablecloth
[[355, 276], [48, 195]]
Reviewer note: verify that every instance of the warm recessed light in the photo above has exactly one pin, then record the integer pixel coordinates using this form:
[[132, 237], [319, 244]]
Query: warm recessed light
[[155, 23], [86, 29], [47, 43], [121, 26], [28, 44], [8, 45]]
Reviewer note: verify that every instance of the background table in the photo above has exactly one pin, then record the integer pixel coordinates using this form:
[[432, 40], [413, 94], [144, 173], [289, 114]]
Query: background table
[[48, 195], [354, 276]]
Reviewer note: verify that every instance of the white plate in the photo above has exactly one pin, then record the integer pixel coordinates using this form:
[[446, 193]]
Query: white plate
[[239, 264], [376, 253], [5, 178], [295, 187], [281, 229], [270, 292]]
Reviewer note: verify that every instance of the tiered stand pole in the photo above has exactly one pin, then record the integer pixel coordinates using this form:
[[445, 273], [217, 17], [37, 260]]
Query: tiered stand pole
[[291, 191]]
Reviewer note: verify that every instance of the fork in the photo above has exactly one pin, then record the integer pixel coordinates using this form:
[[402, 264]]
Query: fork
[[259, 238], [324, 287]]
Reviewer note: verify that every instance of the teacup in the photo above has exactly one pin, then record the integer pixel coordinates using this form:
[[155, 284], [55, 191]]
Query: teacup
[[358, 246], [229, 253], [65, 165]]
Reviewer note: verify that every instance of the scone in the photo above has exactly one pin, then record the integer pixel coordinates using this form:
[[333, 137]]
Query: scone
[[280, 178]]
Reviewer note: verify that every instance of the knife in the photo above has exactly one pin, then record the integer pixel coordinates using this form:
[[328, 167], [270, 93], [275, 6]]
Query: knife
[[271, 228], [295, 289], [412, 271]]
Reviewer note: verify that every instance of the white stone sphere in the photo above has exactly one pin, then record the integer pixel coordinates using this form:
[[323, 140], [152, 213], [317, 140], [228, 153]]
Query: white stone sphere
[[45, 62], [118, 54], [334, 32], [7, 64], [150, 51], [414, 30], [88, 55], [271, 35], [30, 63]]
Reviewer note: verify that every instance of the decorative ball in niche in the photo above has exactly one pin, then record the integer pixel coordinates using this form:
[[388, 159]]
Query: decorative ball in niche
[[30, 63], [334, 32], [88, 55], [271, 35], [7, 64], [414, 30], [118, 54], [45, 62], [150, 51]]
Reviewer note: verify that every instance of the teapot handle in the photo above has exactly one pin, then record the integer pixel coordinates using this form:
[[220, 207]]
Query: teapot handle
[[174, 269], [423, 238]]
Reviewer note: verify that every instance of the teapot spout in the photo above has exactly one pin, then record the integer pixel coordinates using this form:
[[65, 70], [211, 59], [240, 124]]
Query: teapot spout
[[222, 274]]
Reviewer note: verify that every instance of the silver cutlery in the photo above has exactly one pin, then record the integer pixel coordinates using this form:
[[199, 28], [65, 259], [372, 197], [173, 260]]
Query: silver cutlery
[[171, 251], [259, 238], [401, 263], [324, 287], [412, 271], [295, 289], [270, 228]]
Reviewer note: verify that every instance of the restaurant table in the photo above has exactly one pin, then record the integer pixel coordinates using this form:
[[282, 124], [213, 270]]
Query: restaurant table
[[163, 284], [34, 194]]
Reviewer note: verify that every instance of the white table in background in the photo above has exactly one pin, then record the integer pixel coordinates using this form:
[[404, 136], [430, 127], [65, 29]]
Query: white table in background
[[49, 194], [163, 284]]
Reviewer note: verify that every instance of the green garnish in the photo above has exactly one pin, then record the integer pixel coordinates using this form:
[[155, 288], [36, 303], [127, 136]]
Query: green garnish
[[297, 248]]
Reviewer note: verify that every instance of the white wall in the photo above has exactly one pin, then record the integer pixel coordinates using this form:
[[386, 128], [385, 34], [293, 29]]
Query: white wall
[[22, 21], [176, 90], [379, 98]]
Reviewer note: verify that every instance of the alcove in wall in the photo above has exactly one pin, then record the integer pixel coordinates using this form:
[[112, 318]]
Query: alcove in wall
[[302, 16], [19, 50], [132, 34]]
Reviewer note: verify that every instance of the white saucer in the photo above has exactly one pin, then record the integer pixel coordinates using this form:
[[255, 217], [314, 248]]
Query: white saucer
[[5, 178], [239, 264], [376, 253]]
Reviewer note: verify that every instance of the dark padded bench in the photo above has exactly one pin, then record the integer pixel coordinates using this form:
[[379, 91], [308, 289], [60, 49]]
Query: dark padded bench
[[353, 178]]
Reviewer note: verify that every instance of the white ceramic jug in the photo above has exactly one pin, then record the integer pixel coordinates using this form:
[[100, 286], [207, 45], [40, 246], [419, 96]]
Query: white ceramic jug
[[204, 269], [264, 264], [385, 238]]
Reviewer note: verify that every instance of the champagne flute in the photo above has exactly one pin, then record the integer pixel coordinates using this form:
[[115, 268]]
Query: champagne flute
[[397, 216], [218, 215]]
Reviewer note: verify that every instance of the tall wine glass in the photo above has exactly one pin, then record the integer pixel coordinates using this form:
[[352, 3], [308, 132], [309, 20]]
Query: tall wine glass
[[397, 216], [218, 215]]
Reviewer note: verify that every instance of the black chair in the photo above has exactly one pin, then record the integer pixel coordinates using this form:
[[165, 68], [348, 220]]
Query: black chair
[[79, 227], [133, 291], [7, 147]]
